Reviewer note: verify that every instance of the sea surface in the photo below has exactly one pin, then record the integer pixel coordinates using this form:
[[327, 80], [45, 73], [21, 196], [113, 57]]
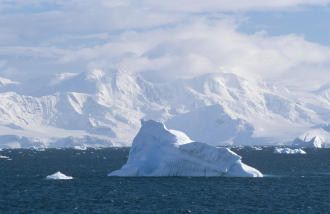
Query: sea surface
[[293, 183]]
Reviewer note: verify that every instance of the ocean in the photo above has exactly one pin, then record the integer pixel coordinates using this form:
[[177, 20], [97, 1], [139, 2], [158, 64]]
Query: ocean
[[292, 183]]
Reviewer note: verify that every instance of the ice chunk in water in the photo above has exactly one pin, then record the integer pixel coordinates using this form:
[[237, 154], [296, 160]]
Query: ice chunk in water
[[157, 151], [289, 151], [58, 176]]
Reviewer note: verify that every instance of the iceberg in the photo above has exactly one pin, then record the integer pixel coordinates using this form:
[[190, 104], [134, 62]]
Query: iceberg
[[157, 151], [83, 147], [37, 149], [58, 176], [33, 148], [318, 138], [289, 151]]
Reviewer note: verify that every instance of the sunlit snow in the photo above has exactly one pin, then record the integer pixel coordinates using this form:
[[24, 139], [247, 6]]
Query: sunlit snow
[[102, 109]]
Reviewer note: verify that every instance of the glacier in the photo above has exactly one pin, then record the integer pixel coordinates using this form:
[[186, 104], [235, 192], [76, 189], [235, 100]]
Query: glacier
[[289, 151], [158, 151], [58, 176], [104, 109]]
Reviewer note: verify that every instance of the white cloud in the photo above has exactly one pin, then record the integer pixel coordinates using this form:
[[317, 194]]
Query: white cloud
[[171, 38], [190, 50]]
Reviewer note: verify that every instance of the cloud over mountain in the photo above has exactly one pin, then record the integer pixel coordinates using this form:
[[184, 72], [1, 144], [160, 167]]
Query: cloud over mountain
[[162, 40]]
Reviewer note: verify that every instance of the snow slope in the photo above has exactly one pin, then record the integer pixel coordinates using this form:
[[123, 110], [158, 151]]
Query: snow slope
[[105, 108], [157, 151]]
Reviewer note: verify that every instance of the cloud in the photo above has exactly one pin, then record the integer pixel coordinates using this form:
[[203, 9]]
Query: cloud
[[186, 51], [85, 16], [171, 39], [2, 63], [234, 5], [10, 72], [179, 5]]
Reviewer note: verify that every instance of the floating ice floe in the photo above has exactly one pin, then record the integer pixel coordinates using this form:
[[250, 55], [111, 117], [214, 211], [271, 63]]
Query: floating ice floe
[[33, 148], [58, 176], [80, 147], [289, 151], [37, 149], [157, 151]]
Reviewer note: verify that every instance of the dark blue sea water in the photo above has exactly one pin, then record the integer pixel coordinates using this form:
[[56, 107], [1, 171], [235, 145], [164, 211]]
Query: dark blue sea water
[[292, 184]]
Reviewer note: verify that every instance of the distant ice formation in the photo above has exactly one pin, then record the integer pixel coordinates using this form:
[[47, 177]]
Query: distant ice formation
[[33, 148], [83, 147], [157, 151], [317, 138], [289, 151], [37, 149], [58, 176]]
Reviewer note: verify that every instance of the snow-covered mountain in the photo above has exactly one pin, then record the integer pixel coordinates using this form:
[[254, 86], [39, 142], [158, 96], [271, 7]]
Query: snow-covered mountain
[[104, 109]]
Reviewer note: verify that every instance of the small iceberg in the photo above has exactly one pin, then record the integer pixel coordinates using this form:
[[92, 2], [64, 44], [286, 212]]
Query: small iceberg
[[157, 151], [289, 151], [37, 149], [58, 176], [33, 148], [80, 147], [3, 156]]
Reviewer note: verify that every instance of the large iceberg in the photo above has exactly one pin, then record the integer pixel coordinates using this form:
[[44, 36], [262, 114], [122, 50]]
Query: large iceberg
[[289, 151], [157, 151], [58, 176]]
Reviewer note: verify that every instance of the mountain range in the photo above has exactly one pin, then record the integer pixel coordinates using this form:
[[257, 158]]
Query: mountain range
[[100, 108]]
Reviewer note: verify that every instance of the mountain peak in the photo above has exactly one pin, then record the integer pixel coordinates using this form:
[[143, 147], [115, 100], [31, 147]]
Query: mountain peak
[[95, 74], [323, 88]]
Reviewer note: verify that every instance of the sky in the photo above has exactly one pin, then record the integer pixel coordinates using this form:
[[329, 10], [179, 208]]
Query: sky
[[287, 41]]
